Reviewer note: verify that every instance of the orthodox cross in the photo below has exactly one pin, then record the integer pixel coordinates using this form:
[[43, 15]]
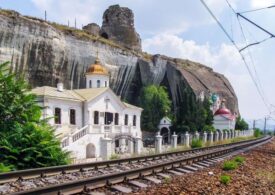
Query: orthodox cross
[[106, 100]]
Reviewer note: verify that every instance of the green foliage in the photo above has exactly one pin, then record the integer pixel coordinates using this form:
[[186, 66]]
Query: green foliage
[[196, 143], [241, 124], [156, 104], [208, 128], [229, 165], [257, 132], [239, 160], [225, 179], [114, 157], [4, 168], [192, 112], [26, 141]]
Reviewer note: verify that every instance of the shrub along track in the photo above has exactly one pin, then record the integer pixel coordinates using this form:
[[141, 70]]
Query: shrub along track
[[84, 177]]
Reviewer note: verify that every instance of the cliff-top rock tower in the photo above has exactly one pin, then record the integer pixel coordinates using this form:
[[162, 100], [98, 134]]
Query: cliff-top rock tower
[[118, 25]]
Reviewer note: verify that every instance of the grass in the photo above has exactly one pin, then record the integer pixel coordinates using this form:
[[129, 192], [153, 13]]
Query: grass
[[239, 160], [196, 143], [229, 165], [225, 179], [167, 180], [114, 157]]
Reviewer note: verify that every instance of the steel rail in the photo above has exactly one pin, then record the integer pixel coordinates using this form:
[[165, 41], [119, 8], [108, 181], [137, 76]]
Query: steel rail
[[84, 184], [36, 172]]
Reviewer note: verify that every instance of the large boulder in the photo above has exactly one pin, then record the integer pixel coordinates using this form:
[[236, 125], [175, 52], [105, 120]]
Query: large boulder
[[118, 25], [92, 29]]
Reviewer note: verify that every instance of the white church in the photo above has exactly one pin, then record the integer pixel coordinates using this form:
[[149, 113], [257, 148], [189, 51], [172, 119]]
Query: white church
[[93, 123]]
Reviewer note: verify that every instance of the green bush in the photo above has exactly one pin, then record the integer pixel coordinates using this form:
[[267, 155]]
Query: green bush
[[114, 157], [225, 179], [239, 160], [196, 143], [4, 168], [229, 165], [257, 132]]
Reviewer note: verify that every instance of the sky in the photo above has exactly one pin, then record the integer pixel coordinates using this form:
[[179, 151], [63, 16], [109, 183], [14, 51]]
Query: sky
[[184, 29]]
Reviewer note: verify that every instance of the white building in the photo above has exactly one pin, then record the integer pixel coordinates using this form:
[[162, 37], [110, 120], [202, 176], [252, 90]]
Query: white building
[[224, 119], [92, 122]]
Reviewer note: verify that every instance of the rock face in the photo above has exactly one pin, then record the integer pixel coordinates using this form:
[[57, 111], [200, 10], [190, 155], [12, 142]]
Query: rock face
[[118, 25], [92, 29], [46, 54]]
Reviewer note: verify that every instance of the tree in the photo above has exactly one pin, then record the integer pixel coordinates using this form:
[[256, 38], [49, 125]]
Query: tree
[[156, 104], [26, 141], [241, 124]]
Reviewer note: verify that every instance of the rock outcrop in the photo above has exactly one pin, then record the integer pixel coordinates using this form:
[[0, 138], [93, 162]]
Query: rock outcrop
[[92, 29], [118, 25], [46, 53]]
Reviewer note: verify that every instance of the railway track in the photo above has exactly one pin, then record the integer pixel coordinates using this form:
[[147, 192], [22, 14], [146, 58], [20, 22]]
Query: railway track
[[85, 178]]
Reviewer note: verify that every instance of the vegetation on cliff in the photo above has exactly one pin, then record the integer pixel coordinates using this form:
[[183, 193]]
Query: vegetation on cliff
[[26, 141]]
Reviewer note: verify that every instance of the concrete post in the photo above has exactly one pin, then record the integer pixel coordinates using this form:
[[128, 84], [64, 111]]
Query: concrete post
[[211, 137], [138, 145], [225, 135], [158, 143], [122, 145], [130, 146], [216, 137], [174, 140], [204, 137], [106, 148], [187, 139], [221, 135], [197, 135]]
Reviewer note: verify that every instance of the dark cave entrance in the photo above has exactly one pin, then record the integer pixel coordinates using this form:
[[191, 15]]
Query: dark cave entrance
[[104, 35]]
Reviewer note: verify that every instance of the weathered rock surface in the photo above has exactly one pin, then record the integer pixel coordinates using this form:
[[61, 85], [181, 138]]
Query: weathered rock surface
[[118, 25], [92, 29], [45, 54]]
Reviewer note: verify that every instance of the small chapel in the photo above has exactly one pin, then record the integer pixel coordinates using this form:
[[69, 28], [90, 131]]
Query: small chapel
[[92, 123]]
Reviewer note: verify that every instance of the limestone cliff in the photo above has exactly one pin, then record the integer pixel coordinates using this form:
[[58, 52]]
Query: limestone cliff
[[46, 52]]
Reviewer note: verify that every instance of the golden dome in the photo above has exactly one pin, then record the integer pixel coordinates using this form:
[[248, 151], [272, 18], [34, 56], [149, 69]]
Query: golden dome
[[97, 68]]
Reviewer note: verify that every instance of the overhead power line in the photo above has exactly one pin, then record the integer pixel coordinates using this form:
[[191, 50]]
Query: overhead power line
[[253, 10], [238, 49]]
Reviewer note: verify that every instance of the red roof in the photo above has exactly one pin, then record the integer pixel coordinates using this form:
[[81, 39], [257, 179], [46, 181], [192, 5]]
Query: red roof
[[222, 111]]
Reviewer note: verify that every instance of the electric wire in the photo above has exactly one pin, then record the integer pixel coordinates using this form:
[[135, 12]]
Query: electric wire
[[242, 56], [253, 10]]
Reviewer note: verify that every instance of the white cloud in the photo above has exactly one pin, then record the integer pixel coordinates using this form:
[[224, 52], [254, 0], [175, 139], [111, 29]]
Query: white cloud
[[225, 59], [262, 3]]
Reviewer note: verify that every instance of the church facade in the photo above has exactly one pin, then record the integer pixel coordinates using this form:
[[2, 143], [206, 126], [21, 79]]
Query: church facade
[[92, 122]]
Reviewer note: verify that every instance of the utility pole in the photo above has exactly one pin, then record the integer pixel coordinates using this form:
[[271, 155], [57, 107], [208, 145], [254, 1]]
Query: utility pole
[[75, 23], [265, 125], [254, 124], [45, 15], [68, 23]]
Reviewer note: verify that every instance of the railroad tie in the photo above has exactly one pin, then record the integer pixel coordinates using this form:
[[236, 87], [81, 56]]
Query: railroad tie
[[203, 164], [138, 184], [121, 189], [184, 170], [175, 172], [197, 165], [190, 168], [163, 175], [152, 179]]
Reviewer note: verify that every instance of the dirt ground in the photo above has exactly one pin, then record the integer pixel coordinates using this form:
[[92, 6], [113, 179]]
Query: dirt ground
[[255, 176]]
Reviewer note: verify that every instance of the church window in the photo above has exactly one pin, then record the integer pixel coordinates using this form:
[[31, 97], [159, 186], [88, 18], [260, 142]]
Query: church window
[[90, 84], [57, 116], [126, 119], [134, 120], [98, 83], [96, 117], [116, 118], [72, 117]]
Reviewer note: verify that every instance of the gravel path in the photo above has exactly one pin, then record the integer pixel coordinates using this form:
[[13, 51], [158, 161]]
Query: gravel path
[[255, 176]]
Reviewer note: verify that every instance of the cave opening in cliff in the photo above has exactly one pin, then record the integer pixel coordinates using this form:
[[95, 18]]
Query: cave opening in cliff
[[105, 35], [166, 84]]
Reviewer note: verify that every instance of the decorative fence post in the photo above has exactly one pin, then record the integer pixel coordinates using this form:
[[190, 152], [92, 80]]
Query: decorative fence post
[[158, 144], [138, 145], [211, 137], [174, 140], [186, 139], [106, 148], [204, 137]]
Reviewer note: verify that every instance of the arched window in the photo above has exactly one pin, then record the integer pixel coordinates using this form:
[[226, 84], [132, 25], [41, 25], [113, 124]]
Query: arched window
[[105, 83], [98, 83], [116, 118], [57, 116], [126, 119], [134, 120], [72, 117], [96, 117], [90, 84]]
